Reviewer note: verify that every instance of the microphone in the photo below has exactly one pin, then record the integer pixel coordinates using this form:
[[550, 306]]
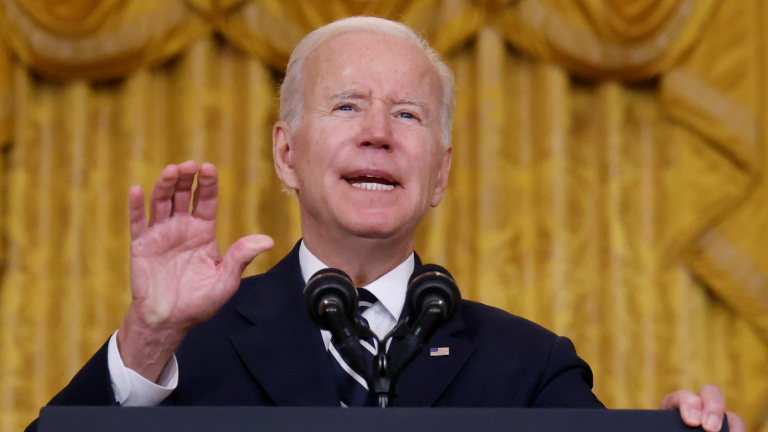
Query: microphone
[[332, 303], [435, 299]]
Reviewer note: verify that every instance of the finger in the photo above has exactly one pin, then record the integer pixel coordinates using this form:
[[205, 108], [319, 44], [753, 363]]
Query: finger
[[160, 202], [713, 408], [735, 423], [137, 217], [688, 403], [204, 206], [182, 195], [243, 252]]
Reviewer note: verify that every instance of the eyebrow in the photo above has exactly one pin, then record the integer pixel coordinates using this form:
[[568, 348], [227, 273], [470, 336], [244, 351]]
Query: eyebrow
[[414, 101], [348, 94], [356, 94]]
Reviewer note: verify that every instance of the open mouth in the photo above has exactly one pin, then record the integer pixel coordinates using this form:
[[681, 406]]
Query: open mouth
[[373, 182]]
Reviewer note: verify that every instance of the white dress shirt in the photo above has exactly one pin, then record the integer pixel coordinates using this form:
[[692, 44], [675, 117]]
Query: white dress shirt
[[132, 389]]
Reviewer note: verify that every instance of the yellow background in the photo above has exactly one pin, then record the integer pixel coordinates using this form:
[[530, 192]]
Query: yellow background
[[608, 176]]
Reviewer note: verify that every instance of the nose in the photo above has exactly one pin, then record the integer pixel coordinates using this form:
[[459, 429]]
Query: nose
[[376, 131]]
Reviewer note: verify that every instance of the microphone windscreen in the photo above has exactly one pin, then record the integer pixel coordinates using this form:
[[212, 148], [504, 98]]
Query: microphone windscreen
[[432, 279], [428, 268], [326, 284]]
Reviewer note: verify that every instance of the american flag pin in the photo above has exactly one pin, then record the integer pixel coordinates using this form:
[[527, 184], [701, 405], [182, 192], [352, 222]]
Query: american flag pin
[[436, 352]]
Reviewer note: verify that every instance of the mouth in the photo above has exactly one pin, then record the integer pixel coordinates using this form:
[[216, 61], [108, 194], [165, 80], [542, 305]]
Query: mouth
[[371, 180]]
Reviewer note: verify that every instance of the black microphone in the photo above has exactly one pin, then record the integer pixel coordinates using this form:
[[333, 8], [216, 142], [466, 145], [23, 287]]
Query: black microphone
[[435, 299], [332, 303]]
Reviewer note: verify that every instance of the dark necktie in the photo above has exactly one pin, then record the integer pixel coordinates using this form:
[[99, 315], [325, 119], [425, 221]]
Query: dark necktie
[[353, 390]]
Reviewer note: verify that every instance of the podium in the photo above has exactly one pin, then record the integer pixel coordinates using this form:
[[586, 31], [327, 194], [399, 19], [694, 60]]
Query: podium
[[285, 419]]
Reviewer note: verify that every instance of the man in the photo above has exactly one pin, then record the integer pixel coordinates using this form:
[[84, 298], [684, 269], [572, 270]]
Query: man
[[364, 141]]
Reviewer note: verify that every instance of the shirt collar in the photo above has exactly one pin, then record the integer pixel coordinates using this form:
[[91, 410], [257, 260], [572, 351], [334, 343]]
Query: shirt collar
[[389, 289]]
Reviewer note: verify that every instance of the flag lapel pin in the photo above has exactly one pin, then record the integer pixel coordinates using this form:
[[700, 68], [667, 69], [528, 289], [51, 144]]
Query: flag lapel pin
[[437, 352]]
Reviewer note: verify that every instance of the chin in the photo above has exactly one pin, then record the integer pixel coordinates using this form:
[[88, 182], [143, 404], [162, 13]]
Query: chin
[[378, 222], [374, 228], [373, 232]]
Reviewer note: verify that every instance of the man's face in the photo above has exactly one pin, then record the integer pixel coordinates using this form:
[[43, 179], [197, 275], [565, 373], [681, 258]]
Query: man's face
[[366, 158]]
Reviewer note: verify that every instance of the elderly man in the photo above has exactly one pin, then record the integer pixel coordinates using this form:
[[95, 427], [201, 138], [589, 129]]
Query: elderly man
[[364, 141]]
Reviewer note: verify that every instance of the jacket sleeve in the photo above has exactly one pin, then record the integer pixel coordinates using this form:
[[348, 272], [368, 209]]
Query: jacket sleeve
[[566, 381], [91, 386]]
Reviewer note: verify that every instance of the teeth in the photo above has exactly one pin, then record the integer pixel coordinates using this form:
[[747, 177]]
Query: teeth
[[374, 186]]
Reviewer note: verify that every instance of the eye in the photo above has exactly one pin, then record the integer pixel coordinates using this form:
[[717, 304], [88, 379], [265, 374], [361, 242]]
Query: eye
[[345, 107], [407, 115]]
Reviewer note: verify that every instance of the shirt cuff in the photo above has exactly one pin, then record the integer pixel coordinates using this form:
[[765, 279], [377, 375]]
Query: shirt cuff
[[132, 389]]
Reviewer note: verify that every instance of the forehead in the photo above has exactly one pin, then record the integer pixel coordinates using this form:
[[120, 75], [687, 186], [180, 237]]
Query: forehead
[[371, 63]]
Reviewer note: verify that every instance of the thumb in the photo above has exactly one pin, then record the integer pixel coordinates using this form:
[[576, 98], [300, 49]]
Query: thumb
[[242, 252]]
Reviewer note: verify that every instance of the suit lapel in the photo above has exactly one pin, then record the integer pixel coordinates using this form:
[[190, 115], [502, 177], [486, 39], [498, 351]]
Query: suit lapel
[[424, 380], [283, 349]]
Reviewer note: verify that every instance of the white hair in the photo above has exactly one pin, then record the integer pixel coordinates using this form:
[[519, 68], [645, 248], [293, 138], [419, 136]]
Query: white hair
[[292, 89]]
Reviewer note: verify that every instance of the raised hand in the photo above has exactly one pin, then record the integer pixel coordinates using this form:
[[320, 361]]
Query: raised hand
[[178, 277]]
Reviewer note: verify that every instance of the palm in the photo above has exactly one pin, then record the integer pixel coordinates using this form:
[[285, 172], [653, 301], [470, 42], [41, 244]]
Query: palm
[[175, 268], [178, 277]]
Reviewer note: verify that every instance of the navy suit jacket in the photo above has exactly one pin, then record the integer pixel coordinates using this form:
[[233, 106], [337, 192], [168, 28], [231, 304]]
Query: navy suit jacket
[[262, 349]]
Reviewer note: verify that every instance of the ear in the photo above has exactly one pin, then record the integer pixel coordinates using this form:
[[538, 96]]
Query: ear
[[282, 153], [442, 178]]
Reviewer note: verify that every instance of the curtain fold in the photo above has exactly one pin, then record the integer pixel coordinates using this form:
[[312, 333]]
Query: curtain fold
[[108, 42], [726, 103], [612, 39]]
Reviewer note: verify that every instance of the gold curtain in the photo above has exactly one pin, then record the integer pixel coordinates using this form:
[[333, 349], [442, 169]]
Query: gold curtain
[[607, 176], [77, 148]]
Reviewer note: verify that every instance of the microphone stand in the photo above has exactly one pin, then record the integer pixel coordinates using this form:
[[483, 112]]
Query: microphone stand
[[382, 385]]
